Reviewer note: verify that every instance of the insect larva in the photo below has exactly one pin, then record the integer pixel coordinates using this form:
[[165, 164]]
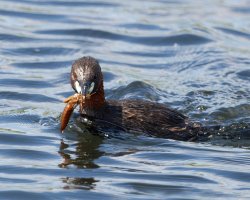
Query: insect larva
[[69, 108], [72, 102]]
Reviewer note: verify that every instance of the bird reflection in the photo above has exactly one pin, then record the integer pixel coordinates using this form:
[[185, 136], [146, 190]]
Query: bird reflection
[[81, 155], [79, 183]]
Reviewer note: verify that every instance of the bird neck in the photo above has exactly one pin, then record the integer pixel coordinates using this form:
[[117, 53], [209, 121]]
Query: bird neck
[[95, 102]]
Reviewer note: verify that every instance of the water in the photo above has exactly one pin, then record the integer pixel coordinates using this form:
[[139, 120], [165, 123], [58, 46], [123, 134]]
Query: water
[[190, 55]]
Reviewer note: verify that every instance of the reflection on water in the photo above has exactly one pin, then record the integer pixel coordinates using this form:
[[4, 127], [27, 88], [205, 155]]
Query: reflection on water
[[84, 154], [192, 56]]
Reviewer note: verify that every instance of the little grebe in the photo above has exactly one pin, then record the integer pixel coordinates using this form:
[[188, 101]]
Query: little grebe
[[141, 116]]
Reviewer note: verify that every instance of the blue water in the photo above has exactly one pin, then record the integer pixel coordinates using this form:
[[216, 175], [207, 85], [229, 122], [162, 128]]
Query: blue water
[[190, 55]]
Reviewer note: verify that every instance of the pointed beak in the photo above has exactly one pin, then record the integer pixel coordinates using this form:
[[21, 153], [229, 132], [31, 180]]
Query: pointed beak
[[87, 88]]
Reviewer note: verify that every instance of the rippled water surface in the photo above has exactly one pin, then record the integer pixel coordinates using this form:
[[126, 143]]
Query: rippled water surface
[[193, 56]]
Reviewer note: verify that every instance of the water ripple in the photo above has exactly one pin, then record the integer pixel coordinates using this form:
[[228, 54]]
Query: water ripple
[[39, 51], [26, 97], [43, 65], [24, 140], [184, 39], [33, 16], [25, 83], [245, 75], [135, 90], [190, 55], [14, 38], [69, 4], [234, 32]]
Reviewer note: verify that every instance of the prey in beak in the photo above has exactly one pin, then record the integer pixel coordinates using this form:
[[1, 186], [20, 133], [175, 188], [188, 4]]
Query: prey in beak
[[86, 79], [86, 89]]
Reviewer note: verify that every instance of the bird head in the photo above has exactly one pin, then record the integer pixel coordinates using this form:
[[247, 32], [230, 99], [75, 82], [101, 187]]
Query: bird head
[[86, 76]]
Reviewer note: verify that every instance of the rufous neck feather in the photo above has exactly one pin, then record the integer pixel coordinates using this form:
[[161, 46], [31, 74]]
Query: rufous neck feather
[[95, 101]]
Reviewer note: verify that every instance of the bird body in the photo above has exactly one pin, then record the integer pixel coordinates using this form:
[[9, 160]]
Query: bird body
[[141, 116]]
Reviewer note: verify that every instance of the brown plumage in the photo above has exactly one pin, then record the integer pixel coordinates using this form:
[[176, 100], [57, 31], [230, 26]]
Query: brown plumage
[[130, 115]]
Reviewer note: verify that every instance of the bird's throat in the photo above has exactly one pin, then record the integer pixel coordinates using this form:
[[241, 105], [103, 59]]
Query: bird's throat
[[95, 102]]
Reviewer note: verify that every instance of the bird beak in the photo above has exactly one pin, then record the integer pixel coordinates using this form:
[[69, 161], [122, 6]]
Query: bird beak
[[87, 88]]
